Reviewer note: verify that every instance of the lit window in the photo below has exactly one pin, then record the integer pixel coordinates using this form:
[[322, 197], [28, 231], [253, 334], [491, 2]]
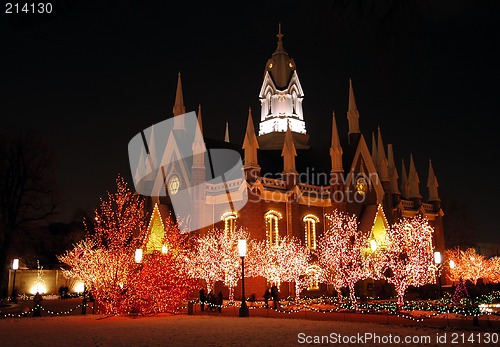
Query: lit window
[[310, 221], [173, 184], [229, 219], [361, 185], [272, 229], [312, 273]]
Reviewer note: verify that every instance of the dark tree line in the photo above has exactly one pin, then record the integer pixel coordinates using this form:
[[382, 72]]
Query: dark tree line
[[27, 192]]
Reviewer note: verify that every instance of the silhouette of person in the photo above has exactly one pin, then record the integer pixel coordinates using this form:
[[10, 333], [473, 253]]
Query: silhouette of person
[[267, 296], [275, 295], [219, 301], [37, 310], [203, 298]]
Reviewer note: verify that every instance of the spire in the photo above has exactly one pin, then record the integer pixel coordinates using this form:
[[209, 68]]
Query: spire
[[250, 143], [374, 151], [279, 48], [179, 107], [200, 122], [413, 180], [404, 180], [393, 172], [226, 134], [432, 184], [336, 149], [198, 147], [383, 169], [289, 153], [353, 115]]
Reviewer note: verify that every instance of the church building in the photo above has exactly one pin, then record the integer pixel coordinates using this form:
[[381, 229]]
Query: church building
[[284, 195]]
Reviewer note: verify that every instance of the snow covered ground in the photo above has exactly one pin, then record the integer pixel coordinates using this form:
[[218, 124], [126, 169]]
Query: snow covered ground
[[214, 330]]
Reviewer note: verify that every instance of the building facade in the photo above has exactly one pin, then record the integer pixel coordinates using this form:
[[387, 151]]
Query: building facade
[[285, 195]]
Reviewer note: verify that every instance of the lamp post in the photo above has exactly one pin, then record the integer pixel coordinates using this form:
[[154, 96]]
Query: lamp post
[[242, 251], [15, 266], [438, 259]]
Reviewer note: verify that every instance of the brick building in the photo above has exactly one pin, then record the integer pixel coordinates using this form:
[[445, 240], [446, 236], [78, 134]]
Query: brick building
[[290, 186]]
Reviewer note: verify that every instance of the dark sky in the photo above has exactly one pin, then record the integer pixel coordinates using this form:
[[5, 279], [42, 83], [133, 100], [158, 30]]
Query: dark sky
[[89, 76]]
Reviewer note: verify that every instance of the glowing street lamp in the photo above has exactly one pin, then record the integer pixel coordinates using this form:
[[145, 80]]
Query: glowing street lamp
[[15, 266], [438, 260], [138, 256], [452, 264], [164, 249], [242, 251], [373, 245]]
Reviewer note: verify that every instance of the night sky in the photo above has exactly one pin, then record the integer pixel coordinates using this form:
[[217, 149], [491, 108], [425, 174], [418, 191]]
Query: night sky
[[88, 77]]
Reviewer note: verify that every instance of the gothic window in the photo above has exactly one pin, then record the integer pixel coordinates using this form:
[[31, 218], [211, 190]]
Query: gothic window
[[294, 102], [229, 219], [272, 229], [310, 221], [268, 99], [312, 273]]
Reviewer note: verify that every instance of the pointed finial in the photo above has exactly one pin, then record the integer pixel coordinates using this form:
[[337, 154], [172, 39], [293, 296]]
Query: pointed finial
[[226, 134], [280, 35]]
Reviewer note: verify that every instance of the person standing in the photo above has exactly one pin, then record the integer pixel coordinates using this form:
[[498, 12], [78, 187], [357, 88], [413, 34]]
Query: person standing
[[267, 296], [275, 294], [219, 301], [37, 309], [203, 298]]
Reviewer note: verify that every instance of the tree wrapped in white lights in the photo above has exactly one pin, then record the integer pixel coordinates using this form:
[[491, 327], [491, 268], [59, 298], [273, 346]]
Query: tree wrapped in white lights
[[286, 261], [215, 257], [203, 261], [466, 265], [230, 259], [340, 253], [409, 257]]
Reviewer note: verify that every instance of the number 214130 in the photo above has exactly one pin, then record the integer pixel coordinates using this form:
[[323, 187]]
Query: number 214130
[[33, 8]]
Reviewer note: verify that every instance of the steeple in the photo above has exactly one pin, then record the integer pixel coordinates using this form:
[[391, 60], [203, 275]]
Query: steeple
[[198, 147], [404, 181], [281, 98], [374, 151], [432, 184], [383, 169], [335, 149], [250, 143], [289, 153], [179, 107], [413, 181], [393, 172], [226, 134], [353, 117]]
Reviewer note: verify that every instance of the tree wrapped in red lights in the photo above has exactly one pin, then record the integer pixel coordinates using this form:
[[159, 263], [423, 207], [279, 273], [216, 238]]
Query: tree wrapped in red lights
[[286, 261], [105, 259], [409, 257], [466, 265], [340, 253], [161, 282]]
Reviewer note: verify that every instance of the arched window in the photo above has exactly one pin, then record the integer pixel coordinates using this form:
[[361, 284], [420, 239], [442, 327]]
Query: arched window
[[229, 219], [312, 273], [272, 230], [268, 98], [294, 102], [310, 221]]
